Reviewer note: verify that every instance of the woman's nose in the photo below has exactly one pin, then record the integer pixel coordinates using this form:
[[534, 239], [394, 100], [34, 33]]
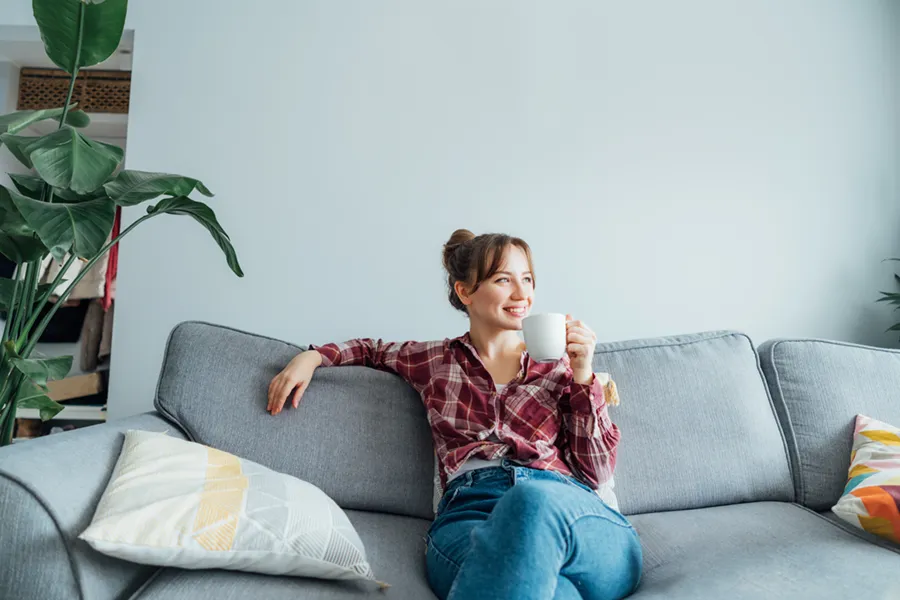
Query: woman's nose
[[519, 292]]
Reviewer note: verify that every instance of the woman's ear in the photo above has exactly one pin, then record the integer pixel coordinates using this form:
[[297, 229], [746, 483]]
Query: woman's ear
[[462, 292]]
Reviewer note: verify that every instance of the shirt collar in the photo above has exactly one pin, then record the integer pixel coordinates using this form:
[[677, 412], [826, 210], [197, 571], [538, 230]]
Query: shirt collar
[[465, 340]]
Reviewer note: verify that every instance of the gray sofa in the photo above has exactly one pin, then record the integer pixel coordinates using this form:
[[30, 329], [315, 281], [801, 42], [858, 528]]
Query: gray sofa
[[729, 462]]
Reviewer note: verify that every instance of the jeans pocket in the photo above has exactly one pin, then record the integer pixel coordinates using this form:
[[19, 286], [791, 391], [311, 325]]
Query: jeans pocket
[[615, 515], [448, 497]]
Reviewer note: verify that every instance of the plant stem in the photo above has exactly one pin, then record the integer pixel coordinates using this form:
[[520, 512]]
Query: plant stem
[[78, 44], [21, 311], [44, 299], [31, 277], [7, 329], [10, 311], [84, 270], [8, 418]]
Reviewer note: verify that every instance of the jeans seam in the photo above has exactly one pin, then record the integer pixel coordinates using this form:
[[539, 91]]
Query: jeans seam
[[442, 555], [605, 518]]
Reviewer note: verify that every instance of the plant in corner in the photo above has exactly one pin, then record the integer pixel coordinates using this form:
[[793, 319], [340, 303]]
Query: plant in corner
[[67, 207], [892, 298]]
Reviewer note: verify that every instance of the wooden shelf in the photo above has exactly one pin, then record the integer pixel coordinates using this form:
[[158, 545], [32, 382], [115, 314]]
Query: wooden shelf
[[69, 413]]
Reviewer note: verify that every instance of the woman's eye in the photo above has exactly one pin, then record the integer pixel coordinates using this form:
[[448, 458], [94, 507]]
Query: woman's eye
[[502, 279], [529, 279]]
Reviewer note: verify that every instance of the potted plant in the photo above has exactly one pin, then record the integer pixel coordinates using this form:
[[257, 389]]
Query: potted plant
[[67, 207], [892, 298]]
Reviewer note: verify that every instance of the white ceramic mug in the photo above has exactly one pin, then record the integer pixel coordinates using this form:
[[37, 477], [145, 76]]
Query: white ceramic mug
[[545, 336]]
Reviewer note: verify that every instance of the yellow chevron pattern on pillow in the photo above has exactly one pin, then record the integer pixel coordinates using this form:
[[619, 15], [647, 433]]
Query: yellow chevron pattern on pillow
[[181, 504], [871, 499], [220, 503]]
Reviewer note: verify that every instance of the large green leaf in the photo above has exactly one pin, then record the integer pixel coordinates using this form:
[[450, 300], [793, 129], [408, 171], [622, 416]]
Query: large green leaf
[[133, 187], [67, 159], [32, 187], [19, 120], [80, 33], [21, 248], [6, 292], [41, 370], [80, 228], [29, 186], [18, 146], [30, 395], [18, 241], [206, 217], [889, 297]]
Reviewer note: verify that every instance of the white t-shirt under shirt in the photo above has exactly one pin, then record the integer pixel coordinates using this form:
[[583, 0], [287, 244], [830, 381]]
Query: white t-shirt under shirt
[[605, 491]]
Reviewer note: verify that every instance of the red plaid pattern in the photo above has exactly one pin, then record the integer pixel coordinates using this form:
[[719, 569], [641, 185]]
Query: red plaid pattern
[[543, 419]]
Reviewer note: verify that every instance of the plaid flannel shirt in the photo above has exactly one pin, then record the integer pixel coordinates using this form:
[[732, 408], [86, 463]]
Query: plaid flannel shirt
[[543, 419]]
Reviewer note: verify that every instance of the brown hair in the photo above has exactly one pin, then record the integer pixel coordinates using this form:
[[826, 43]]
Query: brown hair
[[473, 259]]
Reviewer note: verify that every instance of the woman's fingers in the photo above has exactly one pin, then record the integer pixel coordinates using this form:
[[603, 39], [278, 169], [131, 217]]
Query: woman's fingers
[[580, 327], [576, 350], [271, 393], [283, 392], [580, 337], [279, 395], [298, 393]]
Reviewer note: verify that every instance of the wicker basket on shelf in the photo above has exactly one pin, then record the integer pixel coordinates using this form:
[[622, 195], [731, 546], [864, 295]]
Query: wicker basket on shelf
[[95, 91]]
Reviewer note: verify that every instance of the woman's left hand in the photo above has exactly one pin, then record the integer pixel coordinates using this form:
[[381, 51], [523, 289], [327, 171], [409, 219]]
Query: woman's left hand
[[580, 342]]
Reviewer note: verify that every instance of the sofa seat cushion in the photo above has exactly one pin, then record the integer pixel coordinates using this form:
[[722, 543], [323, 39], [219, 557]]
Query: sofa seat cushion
[[759, 550], [396, 550]]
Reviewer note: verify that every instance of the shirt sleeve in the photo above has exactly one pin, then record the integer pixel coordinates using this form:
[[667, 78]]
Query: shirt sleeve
[[413, 361], [591, 435]]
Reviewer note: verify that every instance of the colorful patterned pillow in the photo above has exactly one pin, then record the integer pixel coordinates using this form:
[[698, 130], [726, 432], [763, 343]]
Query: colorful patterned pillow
[[180, 504], [871, 500]]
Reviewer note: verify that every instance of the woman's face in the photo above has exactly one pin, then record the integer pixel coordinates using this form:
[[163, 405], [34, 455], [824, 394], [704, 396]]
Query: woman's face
[[505, 298]]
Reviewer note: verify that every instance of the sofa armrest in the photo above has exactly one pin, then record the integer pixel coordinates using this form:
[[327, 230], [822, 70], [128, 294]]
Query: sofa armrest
[[49, 490]]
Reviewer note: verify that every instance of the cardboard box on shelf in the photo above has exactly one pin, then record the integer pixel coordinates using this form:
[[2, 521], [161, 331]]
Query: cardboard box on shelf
[[76, 386]]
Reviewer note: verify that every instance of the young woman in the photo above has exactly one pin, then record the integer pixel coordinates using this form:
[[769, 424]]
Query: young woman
[[522, 445]]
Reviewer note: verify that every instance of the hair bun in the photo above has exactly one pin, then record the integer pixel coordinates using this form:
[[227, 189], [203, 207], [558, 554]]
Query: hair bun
[[460, 236]]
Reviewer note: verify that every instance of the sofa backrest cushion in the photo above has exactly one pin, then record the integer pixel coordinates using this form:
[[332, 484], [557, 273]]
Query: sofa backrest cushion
[[819, 387], [698, 427], [359, 434]]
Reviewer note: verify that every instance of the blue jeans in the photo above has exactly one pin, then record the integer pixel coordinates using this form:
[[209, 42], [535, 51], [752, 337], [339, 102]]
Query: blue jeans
[[516, 533]]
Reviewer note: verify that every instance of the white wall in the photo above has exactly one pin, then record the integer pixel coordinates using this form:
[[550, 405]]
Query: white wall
[[676, 167], [9, 95]]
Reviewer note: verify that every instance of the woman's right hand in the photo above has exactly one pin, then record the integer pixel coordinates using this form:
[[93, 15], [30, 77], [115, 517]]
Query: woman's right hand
[[295, 377]]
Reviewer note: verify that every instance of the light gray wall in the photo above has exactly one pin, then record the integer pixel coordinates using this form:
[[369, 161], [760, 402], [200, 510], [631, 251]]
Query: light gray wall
[[9, 95], [675, 166]]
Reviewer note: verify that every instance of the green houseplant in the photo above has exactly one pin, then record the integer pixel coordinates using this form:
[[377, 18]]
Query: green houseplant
[[67, 208], [892, 298]]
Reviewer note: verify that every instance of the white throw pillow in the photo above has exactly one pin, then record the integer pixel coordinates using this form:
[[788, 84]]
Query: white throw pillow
[[181, 504]]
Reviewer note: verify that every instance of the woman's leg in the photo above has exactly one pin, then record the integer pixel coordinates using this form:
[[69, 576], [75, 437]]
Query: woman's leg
[[449, 537], [565, 589], [541, 529]]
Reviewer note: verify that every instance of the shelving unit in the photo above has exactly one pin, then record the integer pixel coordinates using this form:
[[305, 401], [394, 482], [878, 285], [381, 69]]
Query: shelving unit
[[84, 398], [69, 413]]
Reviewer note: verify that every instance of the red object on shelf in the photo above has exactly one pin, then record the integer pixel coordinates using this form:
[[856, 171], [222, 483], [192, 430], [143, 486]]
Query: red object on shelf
[[113, 265]]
